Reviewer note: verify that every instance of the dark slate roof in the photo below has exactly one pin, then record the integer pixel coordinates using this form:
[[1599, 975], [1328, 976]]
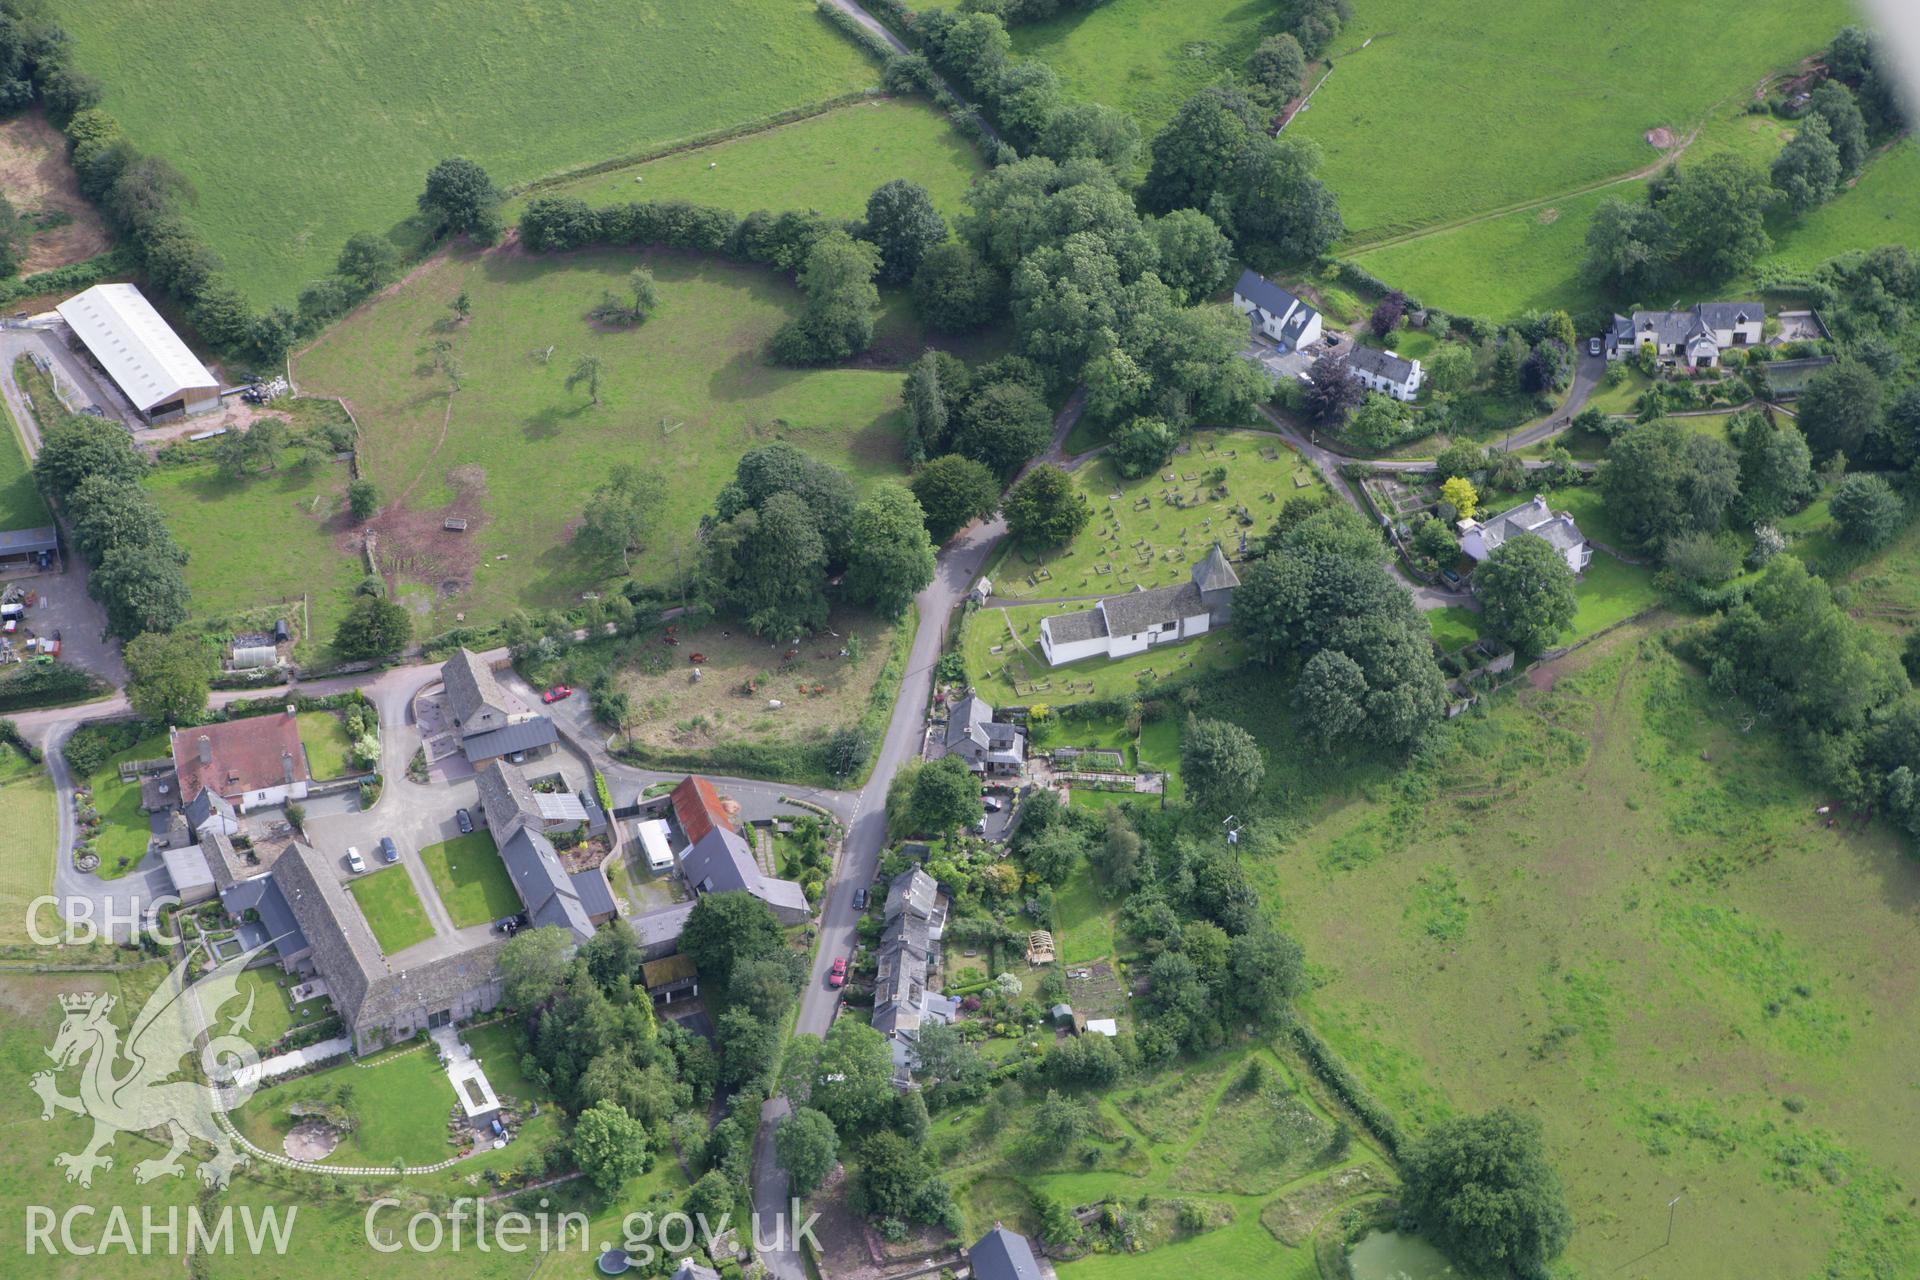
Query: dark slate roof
[[1084, 625], [262, 894], [206, 805], [1381, 364], [525, 736], [595, 894], [472, 688], [1003, 1255], [720, 862], [1726, 315], [1265, 294], [913, 891], [1297, 322], [662, 926], [972, 730], [1137, 610], [691, 1270], [1558, 528], [27, 542], [506, 798], [1214, 573], [414, 993], [545, 889], [344, 949]]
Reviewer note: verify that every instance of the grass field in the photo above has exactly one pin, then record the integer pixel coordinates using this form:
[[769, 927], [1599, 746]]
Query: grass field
[[471, 879], [29, 843], [392, 908], [517, 454], [1502, 266], [297, 547], [1453, 628], [21, 506], [324, 735], [1613, 906], [1444, 113], [1019, 675], [1139, 536], [1145, 57], [364, 99], [829, 162]]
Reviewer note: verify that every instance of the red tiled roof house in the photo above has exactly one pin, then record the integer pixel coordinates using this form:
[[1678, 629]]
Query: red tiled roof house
[[251, 763]]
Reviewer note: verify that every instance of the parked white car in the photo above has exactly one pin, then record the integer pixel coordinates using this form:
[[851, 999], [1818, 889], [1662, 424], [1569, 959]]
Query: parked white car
[[355, 863]]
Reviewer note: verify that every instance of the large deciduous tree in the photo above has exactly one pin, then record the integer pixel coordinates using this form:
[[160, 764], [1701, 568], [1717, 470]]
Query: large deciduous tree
[[620, 514], [168, 676], [890, 557], [1220, 763], [1526, 589], [374, 627], [903, 224], [609, 1145], [837, 321], [1840, 408], [953, 491], [1046, 509], [806, 1147], [462, 198], [1481, 1188]]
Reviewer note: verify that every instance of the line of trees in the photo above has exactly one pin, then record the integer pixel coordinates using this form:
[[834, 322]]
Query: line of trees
[[90, 469]]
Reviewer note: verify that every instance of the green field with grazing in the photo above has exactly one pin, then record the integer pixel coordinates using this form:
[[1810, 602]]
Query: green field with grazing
[[1453, 108], [1531, 259], [29, 843], [1878, 209], [263, 540], [1144, 56], [829, 162], [363, 99], [517, 454], [1611, 903], [392, 908]]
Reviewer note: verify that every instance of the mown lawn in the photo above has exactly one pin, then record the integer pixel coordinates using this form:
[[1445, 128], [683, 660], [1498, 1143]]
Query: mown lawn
[[399, 1106], [392, 908], [273, 1014], [1613, 905], [1610, 591], [1082, 923], [264, 540], [364, 99], [1453, 628], [517, 453], [324, 735], [471, 879], [829, 162], [123, 835]]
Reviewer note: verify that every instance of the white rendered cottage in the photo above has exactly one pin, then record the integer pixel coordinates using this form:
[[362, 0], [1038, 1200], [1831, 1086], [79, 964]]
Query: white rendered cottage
[[1385, 372], [1275, 313], [1694, 337], [1144, 617]]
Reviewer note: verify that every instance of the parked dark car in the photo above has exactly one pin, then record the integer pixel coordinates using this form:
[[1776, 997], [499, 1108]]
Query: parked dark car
[[1451, 578], [389, 850], [465, 820], [860, 899]]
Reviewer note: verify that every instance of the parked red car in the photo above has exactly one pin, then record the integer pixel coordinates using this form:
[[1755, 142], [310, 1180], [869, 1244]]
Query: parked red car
[[556, 693], [837, 976]]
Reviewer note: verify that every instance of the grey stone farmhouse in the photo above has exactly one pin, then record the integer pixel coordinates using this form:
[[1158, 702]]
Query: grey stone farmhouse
[[1558, 528], [491, 723], [987, 745]]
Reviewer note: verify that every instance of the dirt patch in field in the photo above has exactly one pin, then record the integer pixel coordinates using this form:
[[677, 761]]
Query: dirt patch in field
[[35, 176], [416, 545], [1661, 138], [311, 1140], [1543, 678], [1548, 217]]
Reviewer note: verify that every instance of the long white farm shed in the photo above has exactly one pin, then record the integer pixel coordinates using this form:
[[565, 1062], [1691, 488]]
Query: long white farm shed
[[140, 352]]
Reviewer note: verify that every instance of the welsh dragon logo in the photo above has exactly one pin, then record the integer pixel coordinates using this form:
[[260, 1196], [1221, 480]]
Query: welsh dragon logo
[[133, 1088]]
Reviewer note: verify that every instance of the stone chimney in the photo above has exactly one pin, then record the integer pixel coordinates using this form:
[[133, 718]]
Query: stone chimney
[[292, 710], [206, 749], [286, 767]]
